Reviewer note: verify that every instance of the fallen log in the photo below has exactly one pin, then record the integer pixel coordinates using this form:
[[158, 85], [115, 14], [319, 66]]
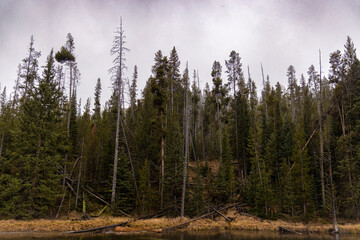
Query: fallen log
[[287, 230], [102, 200], [101, 228], [198, 218], [122, 224]]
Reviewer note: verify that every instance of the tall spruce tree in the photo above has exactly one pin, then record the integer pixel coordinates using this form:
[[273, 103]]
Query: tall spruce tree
[[39, 144], [29, 68], [235, 75], [159, 85]]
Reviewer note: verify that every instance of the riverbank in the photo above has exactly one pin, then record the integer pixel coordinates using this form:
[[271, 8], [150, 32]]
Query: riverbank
[[240, 222]]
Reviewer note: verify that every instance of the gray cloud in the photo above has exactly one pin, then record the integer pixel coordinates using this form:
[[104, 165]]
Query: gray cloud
[[276, 32]]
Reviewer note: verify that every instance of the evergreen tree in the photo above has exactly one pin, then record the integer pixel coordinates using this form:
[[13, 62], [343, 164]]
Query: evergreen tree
[[235, 76], [133, 91], [29, 70], [292, 88], [174, 78], [97, 104], [219, 93], [159, 85], [38, 143], [225, 181], [259, 194]]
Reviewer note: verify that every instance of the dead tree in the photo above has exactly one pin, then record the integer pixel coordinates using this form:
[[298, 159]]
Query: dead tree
[[118, 50], [186, 154]]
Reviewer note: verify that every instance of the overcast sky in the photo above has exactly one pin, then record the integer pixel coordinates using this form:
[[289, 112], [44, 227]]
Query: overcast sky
[[274, 32]]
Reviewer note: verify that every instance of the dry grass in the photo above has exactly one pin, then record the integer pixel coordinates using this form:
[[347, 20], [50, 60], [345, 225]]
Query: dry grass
[[151, 225], [351, 228], [156, 223], [42, 225]]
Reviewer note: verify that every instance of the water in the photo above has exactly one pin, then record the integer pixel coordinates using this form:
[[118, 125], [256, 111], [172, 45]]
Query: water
[[222, 235]]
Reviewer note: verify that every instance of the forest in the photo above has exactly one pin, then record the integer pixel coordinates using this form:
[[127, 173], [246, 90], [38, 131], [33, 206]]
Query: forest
[[286, 151]]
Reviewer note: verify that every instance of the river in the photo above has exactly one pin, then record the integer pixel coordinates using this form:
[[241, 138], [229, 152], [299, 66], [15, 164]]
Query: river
[[222, 235]]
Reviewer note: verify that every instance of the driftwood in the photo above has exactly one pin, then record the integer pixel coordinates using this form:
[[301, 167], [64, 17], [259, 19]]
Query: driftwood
[[101, 228], [122, 224], [287, 230], [198, 218]]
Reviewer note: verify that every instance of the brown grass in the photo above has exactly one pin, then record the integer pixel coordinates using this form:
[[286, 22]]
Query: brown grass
[[42, 225], [155, 225]]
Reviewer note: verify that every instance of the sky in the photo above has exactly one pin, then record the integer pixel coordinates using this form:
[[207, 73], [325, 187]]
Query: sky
[[276, 33]]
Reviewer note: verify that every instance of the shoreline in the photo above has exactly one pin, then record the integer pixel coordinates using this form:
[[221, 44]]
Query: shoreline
[[244, 223]]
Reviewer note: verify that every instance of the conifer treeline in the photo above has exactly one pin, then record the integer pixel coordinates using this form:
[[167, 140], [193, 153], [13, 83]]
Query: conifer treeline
[[293, 151]]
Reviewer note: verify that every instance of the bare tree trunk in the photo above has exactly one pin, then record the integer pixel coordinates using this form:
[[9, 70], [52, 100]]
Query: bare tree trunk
[[162, 164], [203, 139], [186, 155], [70, 99], [192, 146], [68, 122], [172, 96], [332, 189], [293, 116], [201, 121], [16, 87], [259, 169], [303, 186], [263, 78], [79, 176], [130, 159], [120, 102], [123, 95], [219, 124], [61, 203], [68, 135], [321, 133], [342, 120], [236, 126], [116, 154]]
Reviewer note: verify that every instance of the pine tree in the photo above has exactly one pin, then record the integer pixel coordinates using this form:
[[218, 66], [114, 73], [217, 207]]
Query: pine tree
[[218, 93], [133, 91], [302, 181], [174, 78], [196, 202], [145, 191], [195, 116], [124, 201], [174, 164], [97, 104], [242, 111], [225, 181], [235, 75], [39, 146], [292, 88], [260, 195], [29, 68], [159, 85]]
